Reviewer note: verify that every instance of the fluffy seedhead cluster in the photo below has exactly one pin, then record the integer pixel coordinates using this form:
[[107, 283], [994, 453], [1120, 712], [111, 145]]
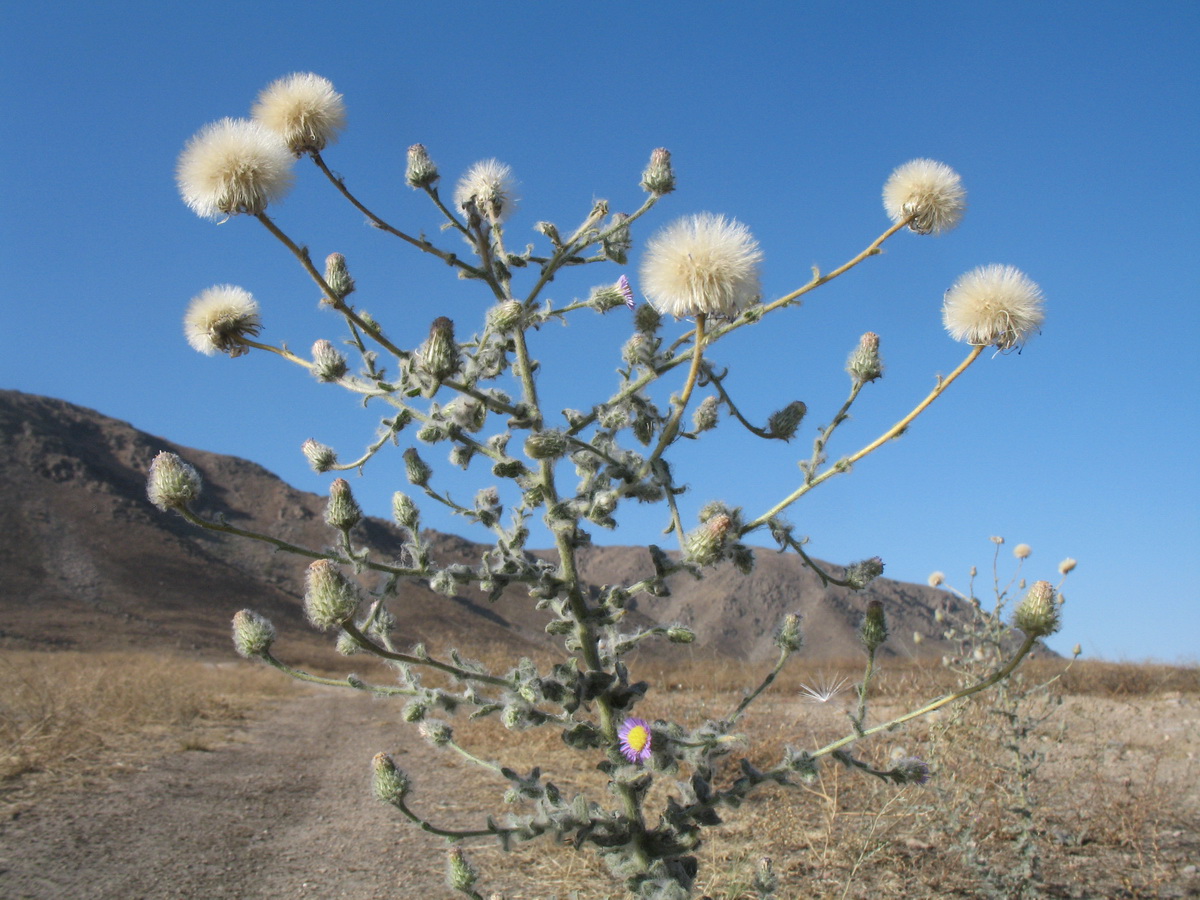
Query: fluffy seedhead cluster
[[466, 391]]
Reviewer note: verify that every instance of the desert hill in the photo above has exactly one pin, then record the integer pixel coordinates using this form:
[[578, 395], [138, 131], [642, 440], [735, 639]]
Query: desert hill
[[87, 562]]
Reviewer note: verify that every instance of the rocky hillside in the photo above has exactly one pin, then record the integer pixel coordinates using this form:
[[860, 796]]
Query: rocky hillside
[[87, 562]]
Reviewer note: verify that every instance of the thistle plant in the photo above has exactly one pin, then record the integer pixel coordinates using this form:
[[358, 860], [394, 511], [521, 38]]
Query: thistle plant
[[470, 388], [1005, 736]]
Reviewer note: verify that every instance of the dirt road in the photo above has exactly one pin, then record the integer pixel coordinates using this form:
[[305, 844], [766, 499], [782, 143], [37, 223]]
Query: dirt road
[[284, 811]]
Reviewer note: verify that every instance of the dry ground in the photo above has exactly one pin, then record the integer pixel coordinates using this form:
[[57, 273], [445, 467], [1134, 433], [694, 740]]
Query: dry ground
[[277, 804]]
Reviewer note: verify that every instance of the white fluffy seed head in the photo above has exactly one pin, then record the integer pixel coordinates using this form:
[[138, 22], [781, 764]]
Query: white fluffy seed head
[[702, 264], [219, 317], [490, 183], [993, 305], [304, 110], [929, 191], [233, 166]]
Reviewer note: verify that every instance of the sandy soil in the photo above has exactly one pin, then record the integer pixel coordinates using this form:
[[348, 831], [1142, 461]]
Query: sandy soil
[[284, 811]]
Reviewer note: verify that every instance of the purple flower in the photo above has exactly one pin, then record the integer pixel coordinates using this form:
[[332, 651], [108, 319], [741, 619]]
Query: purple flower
[[911, 770], [635, 740], [626, 291]]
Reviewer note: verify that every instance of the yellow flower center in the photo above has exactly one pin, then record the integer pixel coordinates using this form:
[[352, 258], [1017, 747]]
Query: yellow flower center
[[637, 738]]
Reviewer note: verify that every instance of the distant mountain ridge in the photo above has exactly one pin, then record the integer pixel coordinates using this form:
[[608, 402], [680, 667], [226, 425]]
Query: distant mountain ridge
[[87, 562]]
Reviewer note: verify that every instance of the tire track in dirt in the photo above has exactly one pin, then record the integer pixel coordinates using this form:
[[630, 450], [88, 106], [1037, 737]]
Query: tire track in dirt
[[282, 811]]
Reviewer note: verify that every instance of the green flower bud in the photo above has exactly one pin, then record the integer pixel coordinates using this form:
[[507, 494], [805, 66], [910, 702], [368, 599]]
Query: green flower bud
[[874, 631], [546, 445], [438, 356], [330, 598], [860, 574], [337, 276], [864, 364], [319, 456], [618, 244], [253, 635], [659, 178], [342, 511], [328, 362], [677, 634], [783, 424], [460, 874], [609, 296], [788, 637], [706, 544], [437, 733], [388, 783], [405, 512], [172, 483], [506, 316], [706, 415], [647, 319], [1037, 614], [420, 172], [416, 469]]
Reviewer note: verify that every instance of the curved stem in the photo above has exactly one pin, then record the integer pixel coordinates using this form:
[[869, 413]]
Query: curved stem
[[330, 297], [843, 464], [766, 683], [672, 426], [461, 674], [289, 547], [449, 258], [998, 675]]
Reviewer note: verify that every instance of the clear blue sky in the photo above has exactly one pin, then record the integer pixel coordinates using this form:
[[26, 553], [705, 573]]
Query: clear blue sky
[[1074, 127]]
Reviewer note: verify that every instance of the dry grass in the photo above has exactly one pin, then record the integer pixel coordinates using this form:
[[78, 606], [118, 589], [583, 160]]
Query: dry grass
[[1116, 802], [69, 717]]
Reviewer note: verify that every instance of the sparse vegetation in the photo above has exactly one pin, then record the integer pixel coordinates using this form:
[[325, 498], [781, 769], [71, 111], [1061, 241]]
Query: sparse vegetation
[[70, 716]]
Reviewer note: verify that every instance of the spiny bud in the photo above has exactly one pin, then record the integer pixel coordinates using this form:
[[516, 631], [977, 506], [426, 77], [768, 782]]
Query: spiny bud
[[618, 243], [647, 319], [996, 539], [874, 631], [328, 362], [437, 733], [911, 770], [253, 635], [1066, 566], [546, 445], [864, 364], [1037, 614], [337, 276], [706, 414], [705, 544], [420, 172], [342, 511], [330, 598], [388, 783], [506, 316], [172, 483], [416, 469], [788, 637], [1022, 551], [677, 634], [321, 457], [609, 296], [439, 355], [860, 574], [783, 424], [659, 178], [460, 874], [405, 512]]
